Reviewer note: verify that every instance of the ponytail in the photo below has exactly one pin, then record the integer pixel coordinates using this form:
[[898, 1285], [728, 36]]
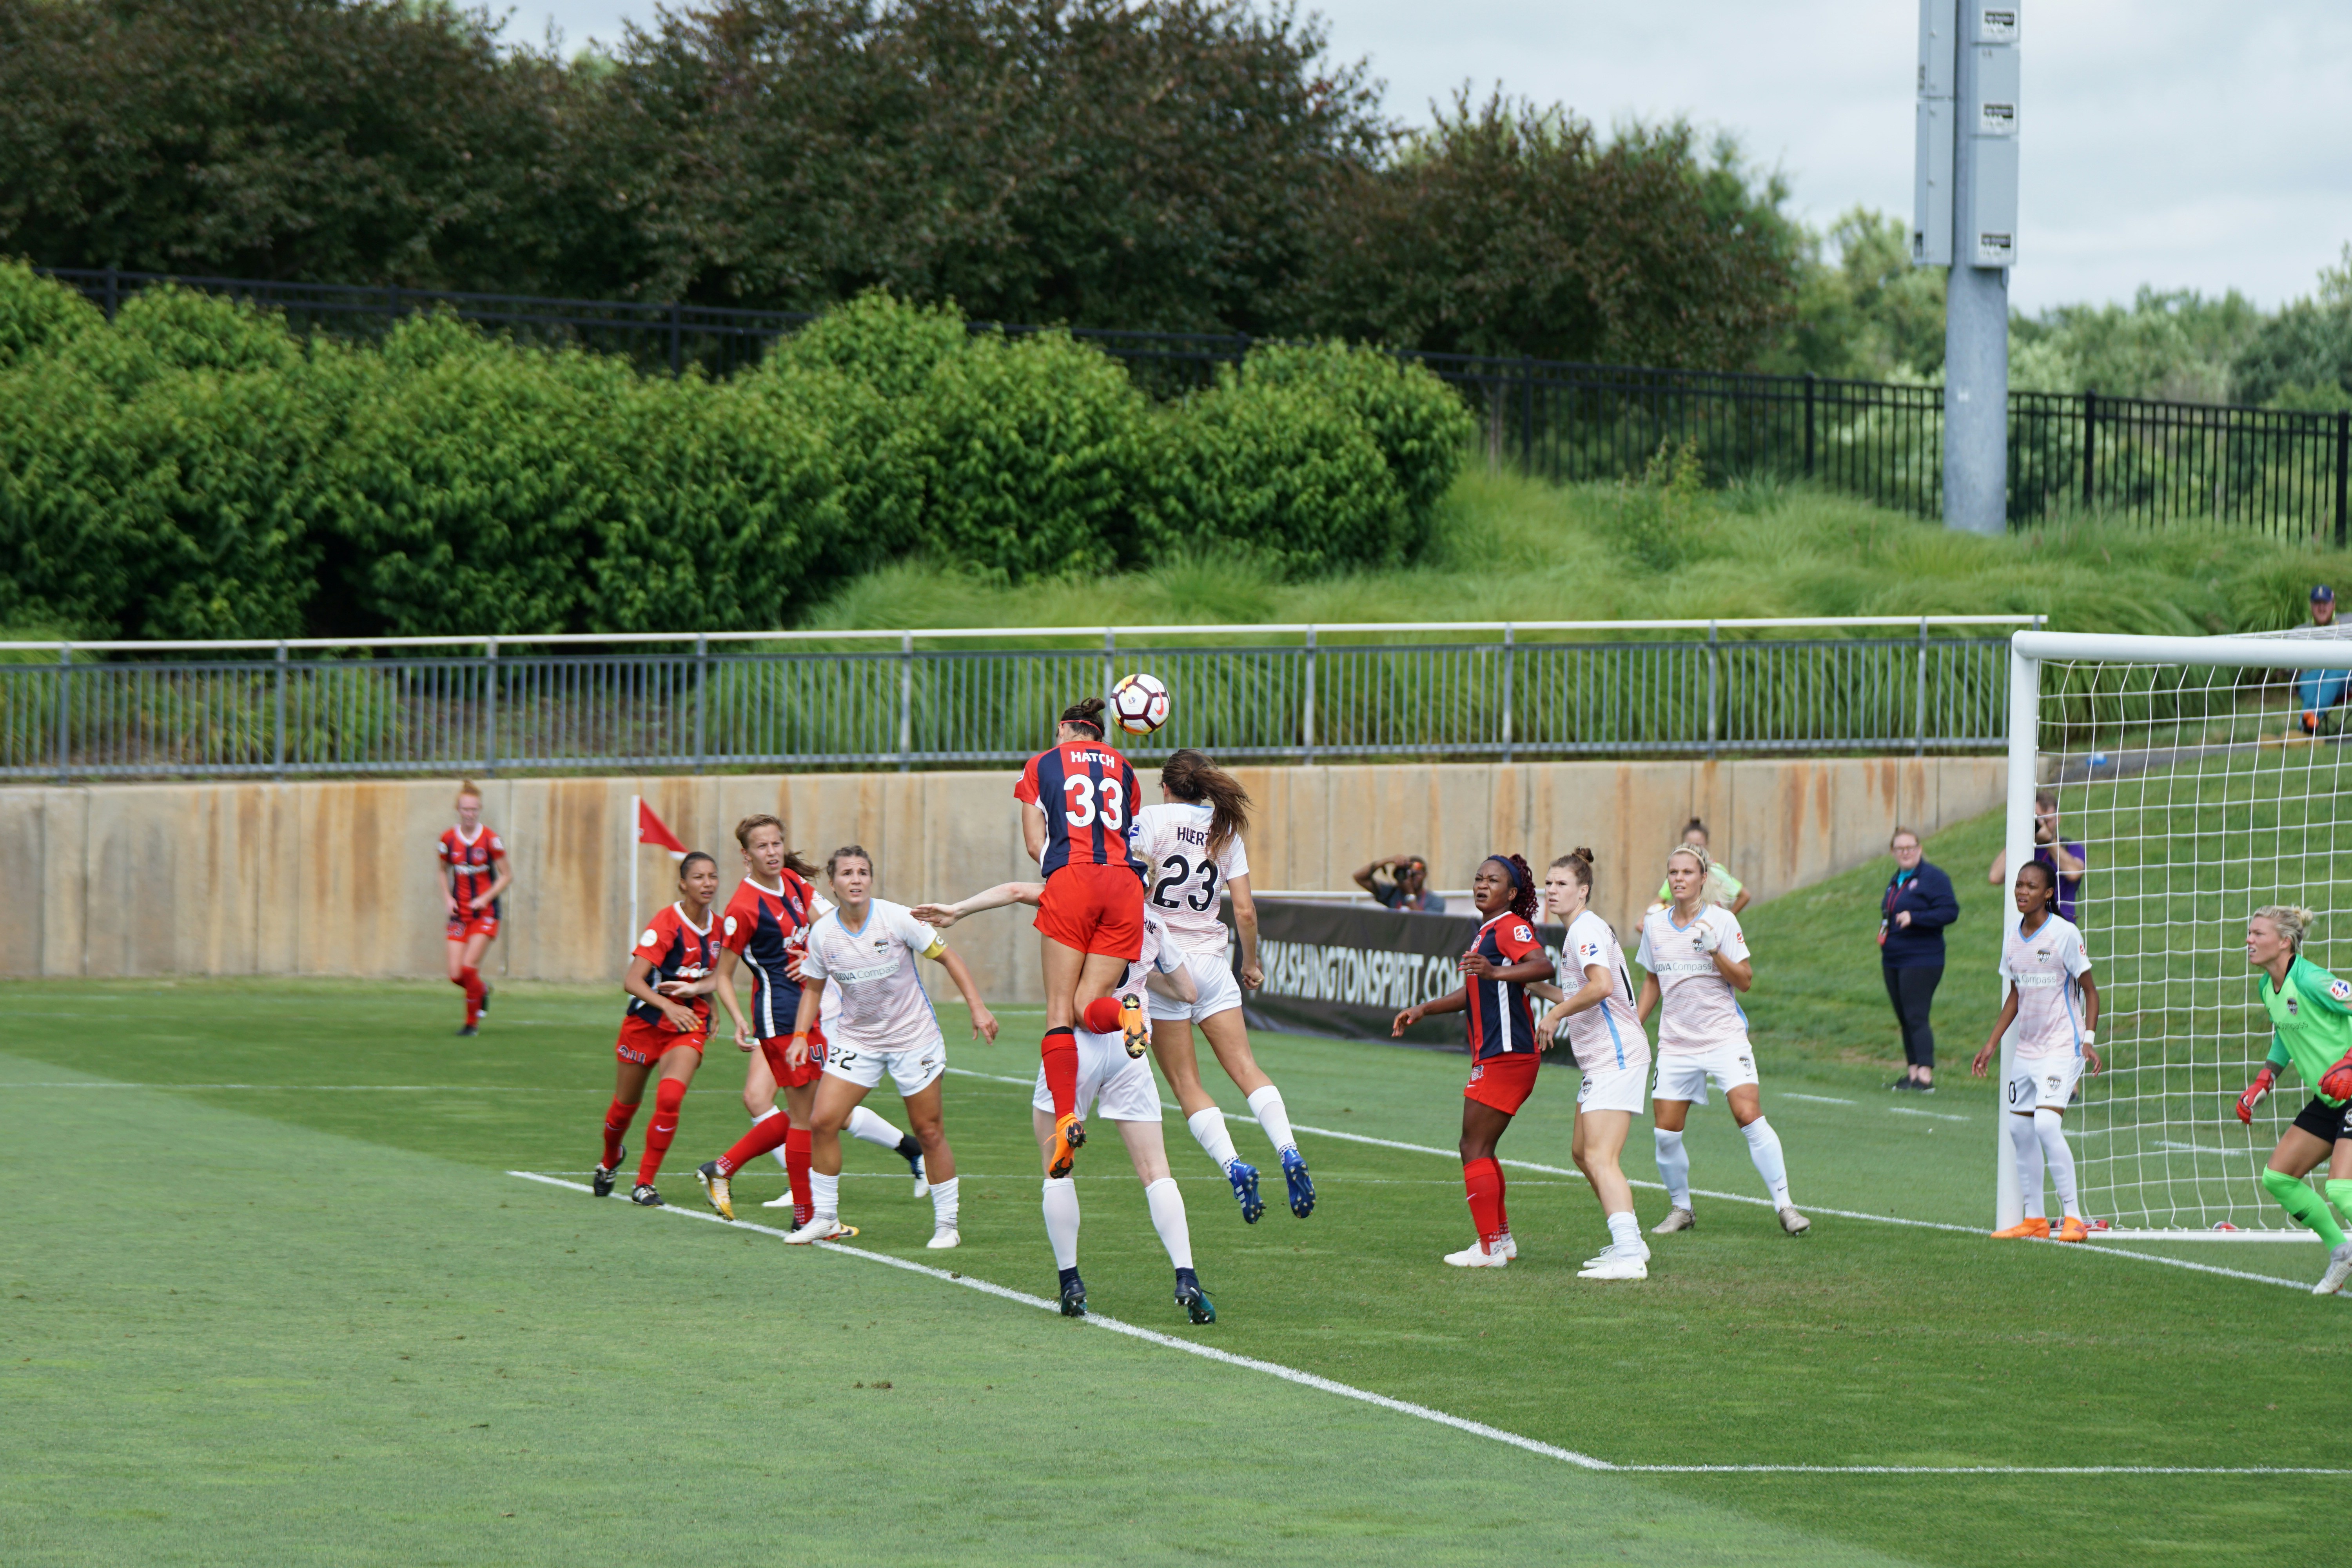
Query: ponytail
[[1190, 775], [1086, 715], [1577, 863]]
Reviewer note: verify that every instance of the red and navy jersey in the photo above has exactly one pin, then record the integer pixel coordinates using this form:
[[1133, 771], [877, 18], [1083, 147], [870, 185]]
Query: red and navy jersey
[[1500, 1023], [1088, 795], [469, 861], [679, 950], [764, 929]]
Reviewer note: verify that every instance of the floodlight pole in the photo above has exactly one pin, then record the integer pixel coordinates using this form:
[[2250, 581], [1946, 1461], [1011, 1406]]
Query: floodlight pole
[[1966, 219]]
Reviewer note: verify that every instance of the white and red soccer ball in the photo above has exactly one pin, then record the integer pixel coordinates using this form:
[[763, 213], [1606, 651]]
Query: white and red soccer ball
[[1140, 704]]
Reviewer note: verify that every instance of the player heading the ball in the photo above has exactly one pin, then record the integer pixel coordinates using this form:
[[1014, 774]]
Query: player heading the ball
[[2311, 1026], [1078, 817]]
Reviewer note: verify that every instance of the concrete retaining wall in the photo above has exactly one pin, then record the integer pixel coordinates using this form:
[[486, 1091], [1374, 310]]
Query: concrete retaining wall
[[340, 877]]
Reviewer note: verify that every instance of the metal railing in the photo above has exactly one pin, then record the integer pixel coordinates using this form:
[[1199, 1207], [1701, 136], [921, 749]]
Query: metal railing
[[787, 701], [2070, 454]]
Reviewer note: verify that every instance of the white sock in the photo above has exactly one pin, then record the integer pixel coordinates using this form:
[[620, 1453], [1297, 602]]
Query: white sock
[[1209, 1132], [1062, 1221], [779, 1150], [1268, 1107], [824, 1194], [943, 1202], [2025, 1142], [1167, 1200], [1764, 1148], [1673, 1168], [868, 1128], [2050, 1130], [1625, 1231]]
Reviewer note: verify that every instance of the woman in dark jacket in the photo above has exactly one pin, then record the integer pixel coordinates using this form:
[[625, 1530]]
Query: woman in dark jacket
[[1917, 907]]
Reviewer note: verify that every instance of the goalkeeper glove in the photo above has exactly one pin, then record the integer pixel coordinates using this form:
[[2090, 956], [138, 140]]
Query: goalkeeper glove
[[2336, 1083], [2255, 1093]]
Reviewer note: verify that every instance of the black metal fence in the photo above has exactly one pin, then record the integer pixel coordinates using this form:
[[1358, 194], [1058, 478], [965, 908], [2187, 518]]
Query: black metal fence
[[2070, 454]]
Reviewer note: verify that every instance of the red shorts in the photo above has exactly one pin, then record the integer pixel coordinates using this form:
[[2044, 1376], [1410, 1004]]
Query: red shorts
[[1503, 1082], [475, 922], [1095, 908], [646, 1044], [787, 1076]]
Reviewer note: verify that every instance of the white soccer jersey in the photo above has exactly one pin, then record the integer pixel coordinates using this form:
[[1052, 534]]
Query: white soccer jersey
[[1159, 954], [2044, 968], [883, 1004], [1182, 887], [1697, 1009], [1609, 1036]]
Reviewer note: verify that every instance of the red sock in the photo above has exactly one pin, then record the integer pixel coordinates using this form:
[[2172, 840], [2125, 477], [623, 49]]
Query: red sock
[[661, 1130], [1483, 1181], [1102, 1015], [472, 978], [617, 1125], [766, 1134], [797, 1172], [1059, 1050]]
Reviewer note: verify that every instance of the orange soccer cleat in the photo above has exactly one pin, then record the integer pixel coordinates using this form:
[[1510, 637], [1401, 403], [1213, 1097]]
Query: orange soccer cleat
[[2032, 1228], [2073, 1229], [1134, 1033], [1070, 1137]]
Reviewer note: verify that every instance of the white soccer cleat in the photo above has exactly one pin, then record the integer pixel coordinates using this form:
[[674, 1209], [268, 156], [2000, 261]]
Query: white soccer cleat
[[946, 1235], [1627, 1265], [1676, 1219], [782, 1202], [1794, 1223], [824, 1227], [1615, 1251], [2339, 1269], [1477, 1256]]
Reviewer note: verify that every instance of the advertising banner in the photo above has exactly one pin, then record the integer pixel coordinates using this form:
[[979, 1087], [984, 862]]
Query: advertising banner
[[1343, 971]]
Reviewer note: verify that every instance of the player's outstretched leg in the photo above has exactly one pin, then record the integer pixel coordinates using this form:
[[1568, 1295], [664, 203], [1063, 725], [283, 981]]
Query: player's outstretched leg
[[1265, 1104], [1207, 1126], [867, 1127]]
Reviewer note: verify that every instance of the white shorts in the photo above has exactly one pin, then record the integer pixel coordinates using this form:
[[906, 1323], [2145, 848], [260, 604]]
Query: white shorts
[[913, 1069], [1212, 977], [2038, 1081], [1614, 1088], [1105, 1072], [1685, 1076]]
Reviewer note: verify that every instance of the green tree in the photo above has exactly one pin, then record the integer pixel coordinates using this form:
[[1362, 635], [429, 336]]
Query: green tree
[[1867, 314], [2302, 357], [1507, 230]]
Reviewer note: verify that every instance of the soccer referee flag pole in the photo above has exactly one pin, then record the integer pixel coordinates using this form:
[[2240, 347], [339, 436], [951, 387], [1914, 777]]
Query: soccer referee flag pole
[[649, 830]]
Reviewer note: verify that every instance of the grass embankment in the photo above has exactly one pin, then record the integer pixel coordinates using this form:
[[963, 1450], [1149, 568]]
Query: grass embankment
[[1515, 549]]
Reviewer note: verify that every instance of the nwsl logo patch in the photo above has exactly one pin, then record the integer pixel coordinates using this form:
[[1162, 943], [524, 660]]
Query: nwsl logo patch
[[2340, 989]]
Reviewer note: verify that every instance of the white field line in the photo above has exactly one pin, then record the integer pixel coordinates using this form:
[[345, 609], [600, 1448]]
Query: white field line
[[1935, 1115], [1170, 1341], [1816, 1099], [1440, 1417], [2106, 1251]]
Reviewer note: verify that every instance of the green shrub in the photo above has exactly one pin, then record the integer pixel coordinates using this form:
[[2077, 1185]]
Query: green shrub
[[1030, 453], [1276, 471], [879, 341], [36, 313], [1661, 520], [1421, 425], [725, 511], [470, 490]]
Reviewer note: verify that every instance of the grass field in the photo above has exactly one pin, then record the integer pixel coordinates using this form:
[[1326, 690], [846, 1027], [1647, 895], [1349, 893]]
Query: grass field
[[305, 1314]]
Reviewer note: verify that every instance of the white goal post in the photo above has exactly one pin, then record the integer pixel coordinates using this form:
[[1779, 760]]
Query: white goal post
[[2203, 777]]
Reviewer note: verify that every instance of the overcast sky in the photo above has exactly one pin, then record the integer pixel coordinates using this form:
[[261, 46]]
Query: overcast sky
[[2177, 143]]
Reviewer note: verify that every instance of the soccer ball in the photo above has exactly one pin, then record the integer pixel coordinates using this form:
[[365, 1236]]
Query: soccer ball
[[1140, 704]]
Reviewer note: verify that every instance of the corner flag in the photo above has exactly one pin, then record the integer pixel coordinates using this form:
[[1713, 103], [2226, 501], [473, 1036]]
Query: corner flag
[[651, 831]]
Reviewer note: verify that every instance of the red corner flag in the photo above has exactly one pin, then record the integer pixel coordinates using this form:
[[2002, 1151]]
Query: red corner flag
[[651, 831]]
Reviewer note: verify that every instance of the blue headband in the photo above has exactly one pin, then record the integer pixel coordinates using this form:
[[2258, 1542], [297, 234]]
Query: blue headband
[[1517, 878]]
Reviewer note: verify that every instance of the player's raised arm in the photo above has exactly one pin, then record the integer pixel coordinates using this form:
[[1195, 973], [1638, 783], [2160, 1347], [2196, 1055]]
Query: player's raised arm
[[941, 916]]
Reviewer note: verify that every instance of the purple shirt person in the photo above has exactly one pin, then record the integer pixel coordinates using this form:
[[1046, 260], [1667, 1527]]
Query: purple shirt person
[[2062, 856]]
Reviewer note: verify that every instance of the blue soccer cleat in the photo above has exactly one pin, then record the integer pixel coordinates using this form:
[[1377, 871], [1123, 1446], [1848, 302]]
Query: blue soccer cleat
[[1244, 1180], [1302, 1186], [1192, 1299]]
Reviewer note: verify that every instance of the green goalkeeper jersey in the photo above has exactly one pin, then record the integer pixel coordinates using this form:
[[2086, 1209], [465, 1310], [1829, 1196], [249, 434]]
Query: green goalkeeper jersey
[[2311, 1021]]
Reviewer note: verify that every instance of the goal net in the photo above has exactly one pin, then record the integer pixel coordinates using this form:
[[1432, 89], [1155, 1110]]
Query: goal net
[[2198, 779]]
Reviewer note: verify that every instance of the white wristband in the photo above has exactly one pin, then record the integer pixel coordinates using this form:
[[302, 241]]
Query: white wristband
[[2090, 1036]]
